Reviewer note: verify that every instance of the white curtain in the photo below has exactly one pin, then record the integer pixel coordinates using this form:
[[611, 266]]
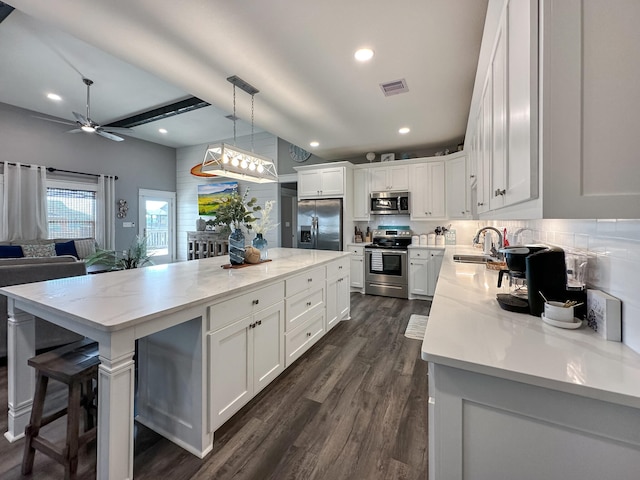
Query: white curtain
[[24, 213], [106, 215]]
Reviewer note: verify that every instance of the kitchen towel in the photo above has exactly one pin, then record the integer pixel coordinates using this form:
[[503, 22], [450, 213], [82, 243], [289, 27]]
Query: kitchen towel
[[416, 327], [376, 261]]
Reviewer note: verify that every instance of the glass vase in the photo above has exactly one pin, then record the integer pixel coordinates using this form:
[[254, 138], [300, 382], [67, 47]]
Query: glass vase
[[236, 247], [261, 244]]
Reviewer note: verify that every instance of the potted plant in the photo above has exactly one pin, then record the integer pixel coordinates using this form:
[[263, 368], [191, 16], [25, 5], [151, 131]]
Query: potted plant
[[235, 211], [134, 257]]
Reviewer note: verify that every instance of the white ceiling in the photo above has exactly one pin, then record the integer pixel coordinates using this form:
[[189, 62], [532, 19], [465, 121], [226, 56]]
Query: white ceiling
[[299, 53]]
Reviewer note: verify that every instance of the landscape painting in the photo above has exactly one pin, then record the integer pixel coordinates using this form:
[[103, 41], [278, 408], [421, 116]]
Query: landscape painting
[[211, 194]]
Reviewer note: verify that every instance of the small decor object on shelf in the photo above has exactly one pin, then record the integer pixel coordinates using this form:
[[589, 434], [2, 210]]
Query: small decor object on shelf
[[233, 212], [261, 227], [387, 157]]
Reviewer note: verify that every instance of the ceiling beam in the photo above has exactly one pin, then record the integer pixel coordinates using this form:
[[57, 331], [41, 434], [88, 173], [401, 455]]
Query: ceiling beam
[[183, 106]]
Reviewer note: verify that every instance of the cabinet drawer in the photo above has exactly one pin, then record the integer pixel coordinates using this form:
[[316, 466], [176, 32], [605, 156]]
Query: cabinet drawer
[[228, 311], [338, 268], [419, 253], [305, 281], [356, 250], [299, 306], [302, 338]]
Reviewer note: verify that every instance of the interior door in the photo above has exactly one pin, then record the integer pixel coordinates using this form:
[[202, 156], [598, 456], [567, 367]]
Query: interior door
[[157, 224]]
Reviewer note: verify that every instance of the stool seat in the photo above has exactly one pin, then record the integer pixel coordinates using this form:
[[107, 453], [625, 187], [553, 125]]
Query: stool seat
[[75, 365]]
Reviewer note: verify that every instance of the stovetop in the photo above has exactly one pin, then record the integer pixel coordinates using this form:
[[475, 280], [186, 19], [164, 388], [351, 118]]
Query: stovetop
[[391, 238]]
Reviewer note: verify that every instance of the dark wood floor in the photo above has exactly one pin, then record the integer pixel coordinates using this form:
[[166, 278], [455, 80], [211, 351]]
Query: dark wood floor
[[353, 407]]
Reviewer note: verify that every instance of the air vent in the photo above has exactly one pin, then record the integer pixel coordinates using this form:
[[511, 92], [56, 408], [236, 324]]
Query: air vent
[[394, 88]]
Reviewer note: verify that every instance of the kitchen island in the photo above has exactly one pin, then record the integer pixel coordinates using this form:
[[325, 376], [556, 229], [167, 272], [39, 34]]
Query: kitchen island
[[512, 397], [186, 315]]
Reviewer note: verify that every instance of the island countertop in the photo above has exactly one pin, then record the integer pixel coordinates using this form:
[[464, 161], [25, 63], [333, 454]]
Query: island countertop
[[117, 300], [468, 330]]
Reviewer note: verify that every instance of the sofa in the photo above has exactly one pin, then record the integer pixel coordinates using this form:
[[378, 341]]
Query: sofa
[[16, 271]]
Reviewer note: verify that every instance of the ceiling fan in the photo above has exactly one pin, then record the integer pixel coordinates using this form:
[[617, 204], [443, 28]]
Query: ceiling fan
[[85, 123]]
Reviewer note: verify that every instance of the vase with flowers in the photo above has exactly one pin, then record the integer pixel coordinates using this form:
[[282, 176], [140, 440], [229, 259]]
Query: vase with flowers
[[261, 226], [235, 211]]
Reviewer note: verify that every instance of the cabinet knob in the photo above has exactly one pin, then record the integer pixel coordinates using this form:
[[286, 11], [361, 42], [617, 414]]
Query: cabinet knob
[[256, 302], [340, 267], [480, 204], [462, 212], [308, 304], [252, 325], [472, 176], [259, 322], [308, 334], [499, 192], [309, 280]]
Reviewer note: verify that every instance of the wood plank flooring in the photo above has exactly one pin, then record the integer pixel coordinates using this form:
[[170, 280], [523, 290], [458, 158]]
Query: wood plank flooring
[[353, 407]]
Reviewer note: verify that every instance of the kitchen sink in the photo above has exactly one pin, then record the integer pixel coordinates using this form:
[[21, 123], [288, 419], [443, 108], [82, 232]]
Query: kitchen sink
[[473, 258]]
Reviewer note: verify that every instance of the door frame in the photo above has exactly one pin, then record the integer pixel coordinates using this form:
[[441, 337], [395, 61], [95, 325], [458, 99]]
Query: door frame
[[170, 197]]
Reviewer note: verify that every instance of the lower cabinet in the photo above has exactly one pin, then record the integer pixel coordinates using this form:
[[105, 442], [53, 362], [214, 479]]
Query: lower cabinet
[[244, 357], [357, 266], [302, 338], [338, 304], [424, 268], [485, 428]]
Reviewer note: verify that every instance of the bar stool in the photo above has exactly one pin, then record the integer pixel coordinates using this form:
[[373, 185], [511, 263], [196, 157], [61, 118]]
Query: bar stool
[[75, 365]]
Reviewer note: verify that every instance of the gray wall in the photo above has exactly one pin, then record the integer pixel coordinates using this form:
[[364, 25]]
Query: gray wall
[[138, 164]]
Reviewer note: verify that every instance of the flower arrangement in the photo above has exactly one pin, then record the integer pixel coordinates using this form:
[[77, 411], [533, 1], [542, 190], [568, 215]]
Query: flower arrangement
[[235, 210], [264, 223]]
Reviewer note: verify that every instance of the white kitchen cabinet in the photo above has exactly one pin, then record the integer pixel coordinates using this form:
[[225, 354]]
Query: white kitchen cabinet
[[244, 357], [484, 427], [361, 194], [498, 142], [357, 267], [458, 206], [391, 178], [428, 200], [485, 121], [302, 338], [424, 268], [321, 182], [337, 300]]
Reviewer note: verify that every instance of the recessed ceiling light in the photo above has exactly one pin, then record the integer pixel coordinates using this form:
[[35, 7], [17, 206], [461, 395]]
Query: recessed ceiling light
[[364, 54], [314, 144], [162, 130], [54, 96], [404, 130]]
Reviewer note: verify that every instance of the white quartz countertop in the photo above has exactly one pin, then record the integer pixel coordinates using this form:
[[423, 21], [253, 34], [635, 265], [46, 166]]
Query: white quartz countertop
[[117, 300], [467, 329]]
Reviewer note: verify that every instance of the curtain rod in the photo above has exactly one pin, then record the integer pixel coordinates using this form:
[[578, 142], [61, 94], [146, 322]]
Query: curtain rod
[[52, 169]]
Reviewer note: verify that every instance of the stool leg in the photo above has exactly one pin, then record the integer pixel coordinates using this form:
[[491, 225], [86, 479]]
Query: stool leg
[[88, 401], [73, 427], [32, 430]]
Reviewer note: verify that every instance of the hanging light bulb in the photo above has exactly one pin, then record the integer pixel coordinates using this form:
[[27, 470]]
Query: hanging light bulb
[[260, 168], [243, 163], [252, 166], [235, 162]]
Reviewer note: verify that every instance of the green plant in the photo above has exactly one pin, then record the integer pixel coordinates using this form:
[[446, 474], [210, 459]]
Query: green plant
[[235, 210], [135, 256]]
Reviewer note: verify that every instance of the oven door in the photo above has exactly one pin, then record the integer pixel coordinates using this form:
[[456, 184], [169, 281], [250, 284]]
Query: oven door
[[386, 266]]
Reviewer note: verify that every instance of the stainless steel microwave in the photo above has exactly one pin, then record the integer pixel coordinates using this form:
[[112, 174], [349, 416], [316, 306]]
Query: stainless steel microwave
[[390, 203]]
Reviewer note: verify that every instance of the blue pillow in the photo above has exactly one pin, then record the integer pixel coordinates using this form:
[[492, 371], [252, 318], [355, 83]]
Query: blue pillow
[[67, 248], [11, 251]]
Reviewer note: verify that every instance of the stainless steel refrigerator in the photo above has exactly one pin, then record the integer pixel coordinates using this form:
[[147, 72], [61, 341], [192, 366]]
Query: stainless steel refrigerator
[[320, 224]]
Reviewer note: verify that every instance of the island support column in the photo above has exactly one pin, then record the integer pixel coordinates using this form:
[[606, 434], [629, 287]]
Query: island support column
[[21, 341], [115, 407]]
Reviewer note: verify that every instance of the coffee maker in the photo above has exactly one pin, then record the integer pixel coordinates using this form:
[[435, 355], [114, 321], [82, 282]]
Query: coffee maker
[[515, 257], [544, 271]]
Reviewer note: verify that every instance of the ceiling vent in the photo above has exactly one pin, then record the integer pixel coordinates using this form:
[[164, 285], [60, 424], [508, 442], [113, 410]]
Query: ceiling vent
[[394, 88]]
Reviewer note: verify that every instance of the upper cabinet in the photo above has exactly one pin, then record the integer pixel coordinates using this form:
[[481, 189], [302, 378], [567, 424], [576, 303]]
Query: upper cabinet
[[321, 182], [458, 201], [428, 191], [550, 87], [391, 178], [361, 194]]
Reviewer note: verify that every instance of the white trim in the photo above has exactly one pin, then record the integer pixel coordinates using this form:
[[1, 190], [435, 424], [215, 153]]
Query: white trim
[[288, 178]]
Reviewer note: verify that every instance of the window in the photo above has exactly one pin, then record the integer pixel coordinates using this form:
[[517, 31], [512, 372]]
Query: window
[[71, 209]]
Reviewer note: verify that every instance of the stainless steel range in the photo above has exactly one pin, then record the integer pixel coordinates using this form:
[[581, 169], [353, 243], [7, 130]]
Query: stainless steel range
[[386, 266]]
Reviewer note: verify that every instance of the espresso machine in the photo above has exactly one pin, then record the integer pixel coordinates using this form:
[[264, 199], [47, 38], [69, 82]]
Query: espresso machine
[[545, 271]]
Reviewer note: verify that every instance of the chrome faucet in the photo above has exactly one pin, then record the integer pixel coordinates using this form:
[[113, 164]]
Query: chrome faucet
[[494, 252]]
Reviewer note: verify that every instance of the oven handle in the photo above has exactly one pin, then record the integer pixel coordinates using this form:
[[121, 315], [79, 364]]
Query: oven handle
[[386, 251]]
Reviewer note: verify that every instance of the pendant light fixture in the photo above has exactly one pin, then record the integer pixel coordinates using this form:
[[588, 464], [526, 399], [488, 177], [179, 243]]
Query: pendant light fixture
[[234, 162]]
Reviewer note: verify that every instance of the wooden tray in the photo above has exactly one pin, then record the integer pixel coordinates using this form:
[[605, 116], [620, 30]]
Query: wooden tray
[[228, 266]]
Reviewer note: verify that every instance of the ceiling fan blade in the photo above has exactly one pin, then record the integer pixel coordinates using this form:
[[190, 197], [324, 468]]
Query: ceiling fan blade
[[108, 135], [124, 130], [55, 121], [81, 118]]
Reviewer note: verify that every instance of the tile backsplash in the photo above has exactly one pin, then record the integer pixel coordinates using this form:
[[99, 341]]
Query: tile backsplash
[[613, 250]]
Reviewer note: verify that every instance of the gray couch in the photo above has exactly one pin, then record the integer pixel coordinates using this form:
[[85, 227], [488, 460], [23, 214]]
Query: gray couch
[[16, 271]]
